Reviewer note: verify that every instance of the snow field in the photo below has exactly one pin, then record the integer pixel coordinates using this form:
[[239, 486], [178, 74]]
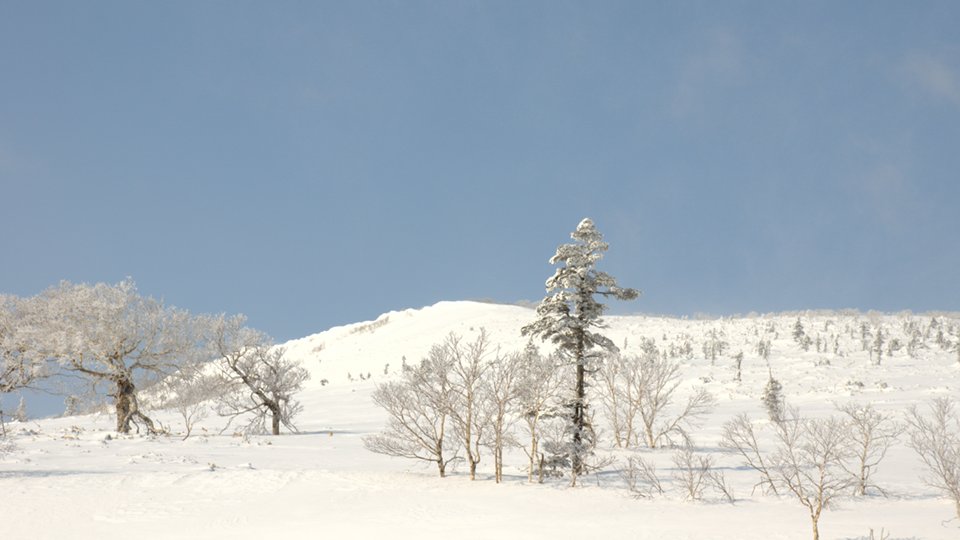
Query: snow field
[[67, 479]]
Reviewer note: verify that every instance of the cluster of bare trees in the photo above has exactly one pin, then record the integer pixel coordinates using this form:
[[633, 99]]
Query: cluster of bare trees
[[638, 395], [465, 398], [694, 474], [816, 460], [120, 343]]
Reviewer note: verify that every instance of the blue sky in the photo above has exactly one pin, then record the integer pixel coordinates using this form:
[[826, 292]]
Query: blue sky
[[312, 164]]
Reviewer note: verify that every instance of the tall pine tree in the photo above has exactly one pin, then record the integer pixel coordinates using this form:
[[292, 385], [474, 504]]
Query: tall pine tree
[[570, 315]]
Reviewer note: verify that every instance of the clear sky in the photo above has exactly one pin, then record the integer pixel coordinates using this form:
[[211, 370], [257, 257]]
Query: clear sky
[[312, 164]]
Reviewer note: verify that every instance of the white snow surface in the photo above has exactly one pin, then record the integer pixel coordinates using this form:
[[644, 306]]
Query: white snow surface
[[74, 477]]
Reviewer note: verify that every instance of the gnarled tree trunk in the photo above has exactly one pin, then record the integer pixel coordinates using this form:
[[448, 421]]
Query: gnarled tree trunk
[[128, 407]]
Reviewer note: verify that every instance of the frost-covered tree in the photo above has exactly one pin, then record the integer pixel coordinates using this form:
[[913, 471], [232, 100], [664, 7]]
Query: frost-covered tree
[[763, 349], [798, 332], [570, 317], [113, 336], [256, 378], [21, 361], [70, 405], [20, 413], [738, 362], [877, 351], [189, 392], [714, 345]]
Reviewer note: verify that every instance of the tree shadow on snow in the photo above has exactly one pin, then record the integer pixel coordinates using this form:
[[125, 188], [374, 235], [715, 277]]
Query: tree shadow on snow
[[49, 474]]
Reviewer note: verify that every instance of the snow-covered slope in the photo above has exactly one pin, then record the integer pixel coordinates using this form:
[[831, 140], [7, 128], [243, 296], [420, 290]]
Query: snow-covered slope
[[381, 345], [72, 476]]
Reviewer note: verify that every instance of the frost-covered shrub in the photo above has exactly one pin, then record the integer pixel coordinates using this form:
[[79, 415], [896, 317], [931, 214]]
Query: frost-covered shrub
[[772, 400]]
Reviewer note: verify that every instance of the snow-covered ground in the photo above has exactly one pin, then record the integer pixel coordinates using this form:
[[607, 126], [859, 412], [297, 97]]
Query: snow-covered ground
[[74, 477]]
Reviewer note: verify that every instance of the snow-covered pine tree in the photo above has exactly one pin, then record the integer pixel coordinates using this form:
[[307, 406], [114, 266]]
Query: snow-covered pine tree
[[568, 316]]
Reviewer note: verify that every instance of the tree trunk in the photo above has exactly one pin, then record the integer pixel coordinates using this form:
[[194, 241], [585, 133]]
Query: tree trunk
[[498, 464], [861, 487], [579, 422], [533, 454], [122, 400], [276, 413], [472, 457], [128, 408], [438, 448], [816, 531]]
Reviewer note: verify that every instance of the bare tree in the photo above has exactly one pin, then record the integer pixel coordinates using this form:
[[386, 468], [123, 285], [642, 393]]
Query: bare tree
[[740, 436], [501, 391], [255, 377], [694, 473], [719, 482], [617, 396], [540, 382], [809, 462], [637, 394], [189, 392], [641, 478], [871, 435], [655, 387], [691, 471], [623, 382], [937, 441], [418, 408], [468, 412]]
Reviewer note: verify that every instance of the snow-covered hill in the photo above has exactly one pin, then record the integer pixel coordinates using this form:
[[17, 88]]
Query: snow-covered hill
[[72, 476]]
